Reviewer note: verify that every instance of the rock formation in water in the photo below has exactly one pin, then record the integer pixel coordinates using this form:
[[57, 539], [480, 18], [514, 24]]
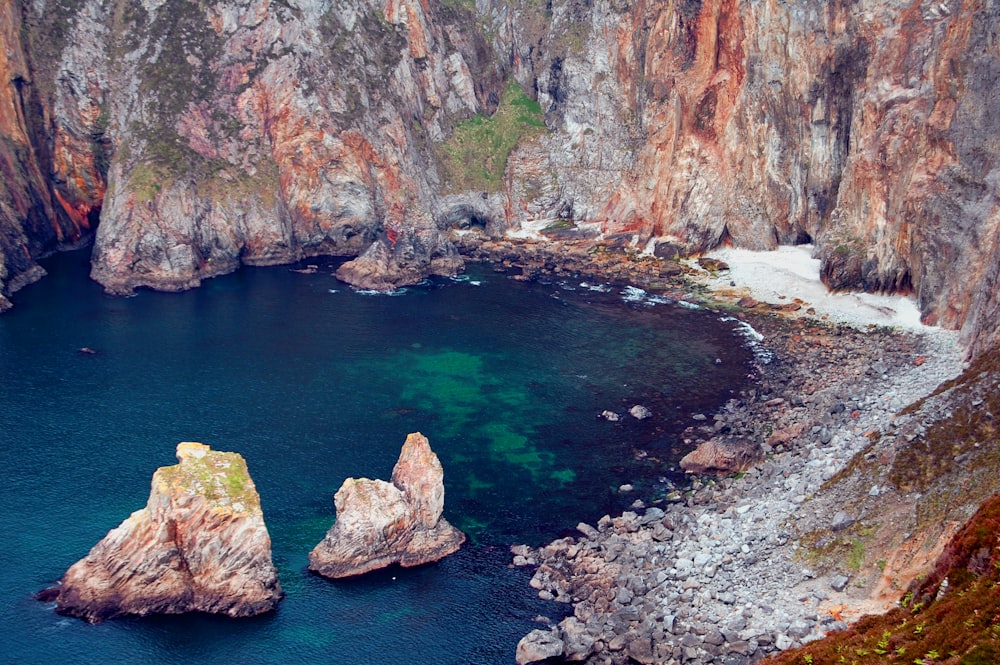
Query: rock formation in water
[[206, 134], [380, 524], [199, 545]]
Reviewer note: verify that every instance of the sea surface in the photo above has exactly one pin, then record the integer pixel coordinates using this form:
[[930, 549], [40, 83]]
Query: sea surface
[[313, 382]]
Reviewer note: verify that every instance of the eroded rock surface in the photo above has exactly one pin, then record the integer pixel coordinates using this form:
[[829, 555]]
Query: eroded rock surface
[[200, 544], [206, 135], [380, 524]]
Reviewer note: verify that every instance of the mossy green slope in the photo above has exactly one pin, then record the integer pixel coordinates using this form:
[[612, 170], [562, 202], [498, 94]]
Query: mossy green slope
[[221, 477], [475, 157]]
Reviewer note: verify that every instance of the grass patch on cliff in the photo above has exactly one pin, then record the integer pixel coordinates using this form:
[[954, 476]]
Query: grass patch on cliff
[[222, 478], [475, 157]]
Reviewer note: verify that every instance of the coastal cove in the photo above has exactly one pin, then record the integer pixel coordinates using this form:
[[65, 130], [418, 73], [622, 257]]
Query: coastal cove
[[313, 382]]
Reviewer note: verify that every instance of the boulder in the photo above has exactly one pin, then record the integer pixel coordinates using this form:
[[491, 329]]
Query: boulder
[[537, 646], [842, 520], [639, 412], [380, 523], [578, 644], [200, 544], [723, 455], [839, 582]]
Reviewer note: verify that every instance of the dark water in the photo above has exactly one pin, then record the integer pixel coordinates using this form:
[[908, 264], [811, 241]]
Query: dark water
[[312, 383]]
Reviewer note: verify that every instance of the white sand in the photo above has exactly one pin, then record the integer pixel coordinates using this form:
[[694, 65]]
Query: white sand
[[781, 276]]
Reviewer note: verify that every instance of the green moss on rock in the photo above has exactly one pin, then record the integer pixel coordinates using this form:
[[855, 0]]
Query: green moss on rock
[[475, 157], [221, 477]]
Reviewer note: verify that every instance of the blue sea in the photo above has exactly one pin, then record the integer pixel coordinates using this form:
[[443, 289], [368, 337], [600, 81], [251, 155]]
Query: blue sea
[[313, 382]]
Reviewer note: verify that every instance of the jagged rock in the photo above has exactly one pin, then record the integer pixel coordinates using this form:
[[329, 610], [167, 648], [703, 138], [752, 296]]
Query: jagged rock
[[405, 257], [641, 651], [538, 645], [723, 456], [200, 544], [380, 524], [578, 644]]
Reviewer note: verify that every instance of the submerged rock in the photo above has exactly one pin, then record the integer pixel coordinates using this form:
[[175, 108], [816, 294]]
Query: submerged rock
[[640, 412], [200, 544], [379, 523]]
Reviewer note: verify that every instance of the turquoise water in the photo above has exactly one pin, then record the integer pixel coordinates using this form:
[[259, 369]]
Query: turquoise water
[[311, 383]]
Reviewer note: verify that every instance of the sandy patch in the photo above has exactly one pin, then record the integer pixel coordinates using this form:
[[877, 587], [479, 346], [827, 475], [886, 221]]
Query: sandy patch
[[789, 273]]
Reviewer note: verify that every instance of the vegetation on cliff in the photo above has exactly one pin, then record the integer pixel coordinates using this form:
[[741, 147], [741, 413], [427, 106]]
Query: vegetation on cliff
[[950, 617], [475, 156]]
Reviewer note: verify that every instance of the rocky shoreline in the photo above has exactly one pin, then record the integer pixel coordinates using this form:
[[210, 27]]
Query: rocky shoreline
[[719, 571]]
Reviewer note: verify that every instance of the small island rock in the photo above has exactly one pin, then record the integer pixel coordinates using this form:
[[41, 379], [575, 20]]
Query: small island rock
[[379, 523], [200, 544]]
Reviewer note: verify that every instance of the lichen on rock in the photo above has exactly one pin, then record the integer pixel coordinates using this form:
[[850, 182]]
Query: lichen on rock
[[200, 544], [380, 523]]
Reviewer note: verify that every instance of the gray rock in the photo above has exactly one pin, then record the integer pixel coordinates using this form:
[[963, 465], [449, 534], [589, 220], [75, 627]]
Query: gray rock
[[841, 521], [839, 582], [639, 412], [799, 628], [577, 640], [641, 650], [538, 645], [587, 530]]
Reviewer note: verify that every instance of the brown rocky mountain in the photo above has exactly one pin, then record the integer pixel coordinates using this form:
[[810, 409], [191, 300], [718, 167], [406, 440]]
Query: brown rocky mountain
[[189, 137]]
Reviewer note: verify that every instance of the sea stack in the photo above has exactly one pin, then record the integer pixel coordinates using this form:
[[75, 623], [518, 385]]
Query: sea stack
[[380, 523], [199, 545]]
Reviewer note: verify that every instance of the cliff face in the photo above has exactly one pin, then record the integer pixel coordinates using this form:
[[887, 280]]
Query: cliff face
[[42, 206], [867, 127], [200, 544], [261, 132]]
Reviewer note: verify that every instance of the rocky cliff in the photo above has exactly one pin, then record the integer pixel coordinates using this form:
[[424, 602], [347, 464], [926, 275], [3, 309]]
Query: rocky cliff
[[380, 524], [200, 544], [210, 134]]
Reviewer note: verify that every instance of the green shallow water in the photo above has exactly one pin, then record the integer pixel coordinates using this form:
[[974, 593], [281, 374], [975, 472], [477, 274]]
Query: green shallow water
[[311, 383]]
